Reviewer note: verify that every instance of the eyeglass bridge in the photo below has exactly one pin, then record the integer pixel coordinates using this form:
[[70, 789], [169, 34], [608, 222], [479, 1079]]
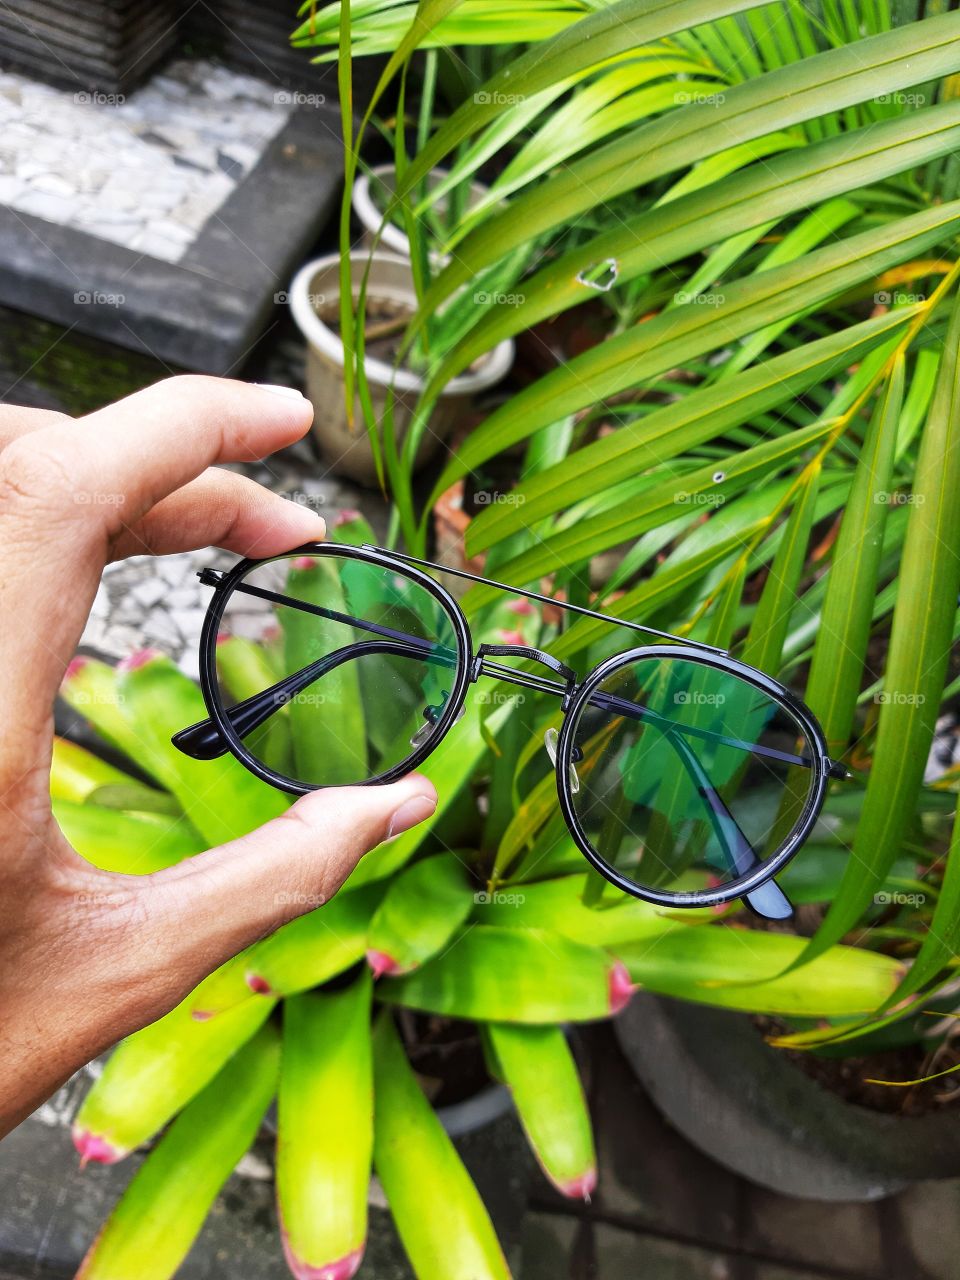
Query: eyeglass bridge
[[524, 679]]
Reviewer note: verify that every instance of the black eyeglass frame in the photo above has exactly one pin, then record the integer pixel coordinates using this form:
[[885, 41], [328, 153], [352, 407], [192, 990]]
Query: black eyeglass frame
[[574, 694]]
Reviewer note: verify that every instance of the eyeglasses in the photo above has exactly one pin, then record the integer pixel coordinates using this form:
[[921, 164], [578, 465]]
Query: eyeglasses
[[685, 777]]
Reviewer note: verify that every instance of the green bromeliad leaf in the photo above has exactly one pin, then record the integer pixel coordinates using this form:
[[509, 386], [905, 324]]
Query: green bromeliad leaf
[[537, 1065], [423, 908], [744, 969], [311, 949], [154, 1072], [161, 1212], [325, 1129], [420, 1170], [138, 708], [494, 974]]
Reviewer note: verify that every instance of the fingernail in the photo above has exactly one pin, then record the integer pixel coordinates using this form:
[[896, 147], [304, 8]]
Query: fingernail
[[314, 528], [416, 809], [292, 392]]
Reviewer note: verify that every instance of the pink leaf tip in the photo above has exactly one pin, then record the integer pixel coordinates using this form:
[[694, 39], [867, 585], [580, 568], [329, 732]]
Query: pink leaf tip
[[620, 987], [223, 637], [522, 608], [343, 1269], [138, 659], [259, 986], [381, 963], [201, 1015], [74, 667], [580, 1188], [304, 562], [91, 1147], [347, 516], [512, 637]]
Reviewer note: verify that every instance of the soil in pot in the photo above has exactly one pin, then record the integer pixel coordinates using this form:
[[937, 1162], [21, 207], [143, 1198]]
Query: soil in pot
[[852, 1078], [446, 1054]]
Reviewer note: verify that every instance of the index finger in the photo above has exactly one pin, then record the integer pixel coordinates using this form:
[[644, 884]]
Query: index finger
[[67, 489], [144, 447]]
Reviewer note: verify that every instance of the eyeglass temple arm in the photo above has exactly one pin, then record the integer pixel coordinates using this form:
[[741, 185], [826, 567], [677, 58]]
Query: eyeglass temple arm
[[767, 900], [607, 701], [204, 741]]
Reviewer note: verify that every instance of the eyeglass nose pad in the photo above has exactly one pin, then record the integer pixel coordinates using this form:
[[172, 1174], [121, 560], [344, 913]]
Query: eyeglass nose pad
[[550, 740], [431, 715]]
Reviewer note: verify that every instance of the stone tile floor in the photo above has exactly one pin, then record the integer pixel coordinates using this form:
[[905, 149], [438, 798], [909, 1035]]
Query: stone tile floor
[[145, 170], [664, 1211]]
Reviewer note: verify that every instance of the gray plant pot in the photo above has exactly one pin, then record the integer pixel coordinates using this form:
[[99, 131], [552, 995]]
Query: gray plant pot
[[746, 1105]]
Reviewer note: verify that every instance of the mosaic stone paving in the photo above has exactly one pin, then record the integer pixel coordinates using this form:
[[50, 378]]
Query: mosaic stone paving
[[145, 170]]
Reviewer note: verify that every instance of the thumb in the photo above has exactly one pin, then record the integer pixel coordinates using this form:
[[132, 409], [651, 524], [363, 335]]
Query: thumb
[[210, 907]]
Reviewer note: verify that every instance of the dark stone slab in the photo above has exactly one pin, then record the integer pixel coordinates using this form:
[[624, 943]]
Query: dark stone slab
[[47, 366], [922, 1230], [205, 312], [559, 1247], [87, 44], [840, 1237]]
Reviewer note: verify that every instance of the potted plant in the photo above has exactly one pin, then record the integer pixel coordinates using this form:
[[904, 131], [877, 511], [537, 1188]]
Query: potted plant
[[832, 1110], [390, 302], [371, 196]]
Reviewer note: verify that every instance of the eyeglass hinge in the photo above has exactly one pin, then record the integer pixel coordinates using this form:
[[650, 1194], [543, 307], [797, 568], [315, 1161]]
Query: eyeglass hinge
[[210, 577]]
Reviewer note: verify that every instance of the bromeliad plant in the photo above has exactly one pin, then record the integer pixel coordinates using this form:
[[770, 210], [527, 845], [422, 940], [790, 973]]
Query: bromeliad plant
[[501, 928]]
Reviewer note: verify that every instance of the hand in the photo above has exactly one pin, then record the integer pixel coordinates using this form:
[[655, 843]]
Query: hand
[[76, 976]]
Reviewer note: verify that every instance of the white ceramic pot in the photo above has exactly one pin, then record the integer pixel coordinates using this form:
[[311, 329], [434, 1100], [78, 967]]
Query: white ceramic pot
[[315, 302], [369, 212]]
